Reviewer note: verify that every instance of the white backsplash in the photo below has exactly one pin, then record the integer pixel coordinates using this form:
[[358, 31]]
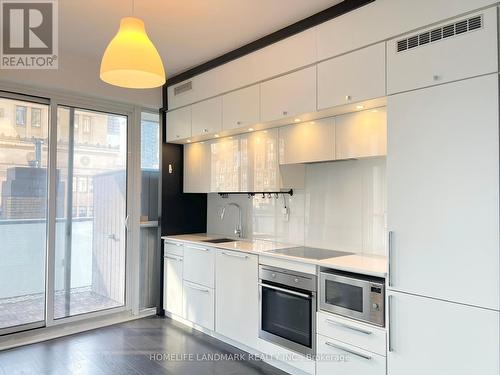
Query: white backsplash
[[343, 207]]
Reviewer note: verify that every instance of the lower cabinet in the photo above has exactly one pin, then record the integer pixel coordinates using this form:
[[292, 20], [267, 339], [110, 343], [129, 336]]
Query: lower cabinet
[[429, 336], [199, 304], [237, 304], [339, 358], [199, 265], [172, 289]]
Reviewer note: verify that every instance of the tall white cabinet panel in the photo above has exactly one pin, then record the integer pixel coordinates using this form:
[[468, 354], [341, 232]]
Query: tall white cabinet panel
[[172, 292], [241, 108], [237, 305], [307, 142], [443, 191], [361, 134], [179, 124], [197, 167], [353, 77], [429, 336], [467, 52], [259, 161], [207, 116], [288, 95]]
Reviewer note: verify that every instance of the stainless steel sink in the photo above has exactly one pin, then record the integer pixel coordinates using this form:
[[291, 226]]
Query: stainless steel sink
[[219, 240]]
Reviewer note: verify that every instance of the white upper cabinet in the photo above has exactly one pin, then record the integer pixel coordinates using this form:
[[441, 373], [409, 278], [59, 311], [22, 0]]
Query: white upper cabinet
[[259, 161], [361, 134], [307, 142], [429, 336], [225, 170], [207, 116], [178, 124], [237, 297], [353, 77], [289, 95], [443, 191], [241, 108], [458, 49], [197, 159]]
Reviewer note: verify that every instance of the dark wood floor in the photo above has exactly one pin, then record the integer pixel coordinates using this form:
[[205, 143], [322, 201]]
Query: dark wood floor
[[147, 346]]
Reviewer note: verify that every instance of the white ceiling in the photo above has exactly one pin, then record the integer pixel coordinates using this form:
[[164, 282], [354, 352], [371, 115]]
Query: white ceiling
[[186, 32]]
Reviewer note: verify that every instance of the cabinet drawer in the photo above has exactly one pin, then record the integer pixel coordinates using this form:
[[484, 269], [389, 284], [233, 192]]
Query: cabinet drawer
[[175, 248], [353, 77], [199, 265], [172, 288], [199, 304], [339, 358], [455, 50], [289, 95], [353, 333]]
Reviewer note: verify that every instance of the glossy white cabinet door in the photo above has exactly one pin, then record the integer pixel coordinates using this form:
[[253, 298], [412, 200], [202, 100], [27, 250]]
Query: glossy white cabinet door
[[225, 164], [179, 124], [172, 288], [307, 142], [465, 55], [197, 167], [353, 77], [199, 304], [207, 116], [237, 305], [199, 265], [361, 134], [429, 336], [339, 358], [241, 108], [443, 191], [288, 95], [259, 161]]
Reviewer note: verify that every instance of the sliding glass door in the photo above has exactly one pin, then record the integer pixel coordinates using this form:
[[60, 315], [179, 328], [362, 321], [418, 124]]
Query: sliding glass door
[[24, 134], [91, 212]]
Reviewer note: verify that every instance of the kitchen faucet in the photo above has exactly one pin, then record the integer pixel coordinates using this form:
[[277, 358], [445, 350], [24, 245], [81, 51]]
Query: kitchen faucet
[[238, 230]]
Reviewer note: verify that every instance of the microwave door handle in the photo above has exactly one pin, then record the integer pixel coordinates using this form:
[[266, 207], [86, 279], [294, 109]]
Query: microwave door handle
[[285, 290]]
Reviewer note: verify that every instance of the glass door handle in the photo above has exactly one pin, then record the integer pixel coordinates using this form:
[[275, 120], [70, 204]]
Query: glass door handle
[[126, 222]]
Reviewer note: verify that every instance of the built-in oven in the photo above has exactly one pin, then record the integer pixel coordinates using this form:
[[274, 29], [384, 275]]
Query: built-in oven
[[288, 308], [359, 297]]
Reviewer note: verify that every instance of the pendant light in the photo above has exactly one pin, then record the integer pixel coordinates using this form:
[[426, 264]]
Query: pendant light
[[131, 60]]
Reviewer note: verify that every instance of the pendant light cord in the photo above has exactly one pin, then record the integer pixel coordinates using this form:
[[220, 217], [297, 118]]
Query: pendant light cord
[[133, 7]]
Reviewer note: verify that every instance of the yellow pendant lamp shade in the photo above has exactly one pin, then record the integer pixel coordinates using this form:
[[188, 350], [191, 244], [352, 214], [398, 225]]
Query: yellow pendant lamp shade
[[131, 60]]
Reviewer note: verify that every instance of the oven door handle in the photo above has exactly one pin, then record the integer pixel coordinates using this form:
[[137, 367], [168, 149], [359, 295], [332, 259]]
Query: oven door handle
[[286, 290]]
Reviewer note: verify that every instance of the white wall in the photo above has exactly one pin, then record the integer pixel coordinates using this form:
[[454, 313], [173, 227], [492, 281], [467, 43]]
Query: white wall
[[343, 207], [80, 76]]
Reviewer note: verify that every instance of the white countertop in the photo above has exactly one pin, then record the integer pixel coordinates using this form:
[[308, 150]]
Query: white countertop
[[374, 265]]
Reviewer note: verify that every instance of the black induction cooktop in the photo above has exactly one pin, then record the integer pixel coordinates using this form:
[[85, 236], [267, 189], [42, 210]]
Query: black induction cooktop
[[309, 252]]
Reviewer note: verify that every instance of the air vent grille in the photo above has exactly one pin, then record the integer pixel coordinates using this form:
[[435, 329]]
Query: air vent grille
[[183, 88], [440, 33]]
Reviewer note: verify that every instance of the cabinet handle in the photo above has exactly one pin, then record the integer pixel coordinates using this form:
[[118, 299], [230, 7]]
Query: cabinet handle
[[285, 113], [348, 326], [336, 346], [177, 136], [347, 98], [173, 257], [205, 130], [235, 255], [389, 323], [436, 77], [238, 122], [390, 239], [204, 290], [197, 248]]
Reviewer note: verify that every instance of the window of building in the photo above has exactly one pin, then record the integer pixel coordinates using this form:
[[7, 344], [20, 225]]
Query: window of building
[[82, 184], [36, 117], [21, 115], [86, 124]]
